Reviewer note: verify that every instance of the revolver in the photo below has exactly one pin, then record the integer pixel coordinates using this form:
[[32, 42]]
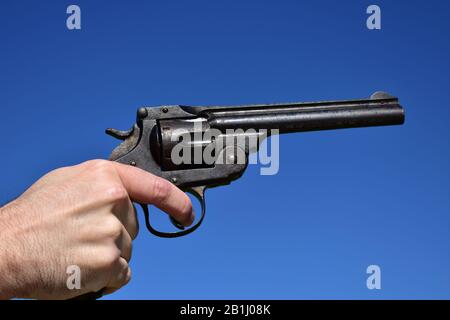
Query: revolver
[[159, 131]]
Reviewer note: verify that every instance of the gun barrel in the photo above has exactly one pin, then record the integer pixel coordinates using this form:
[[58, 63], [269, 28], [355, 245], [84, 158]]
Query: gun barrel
[[380, 110]]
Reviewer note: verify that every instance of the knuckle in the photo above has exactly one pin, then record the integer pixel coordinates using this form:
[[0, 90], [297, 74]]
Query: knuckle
[[134, 224], [124, 275], [127, 250], [130, 252], [116, 193], [100, 166], [127, 276], [160, 190], [94, 162], [134, 231], [109, 257], [113, 228], [89, 162]]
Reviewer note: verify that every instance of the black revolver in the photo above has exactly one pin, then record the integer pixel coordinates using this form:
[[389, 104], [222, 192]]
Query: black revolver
[[150, 143]]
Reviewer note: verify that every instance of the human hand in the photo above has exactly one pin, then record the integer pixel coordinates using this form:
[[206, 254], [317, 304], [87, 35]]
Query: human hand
[[83, 216]]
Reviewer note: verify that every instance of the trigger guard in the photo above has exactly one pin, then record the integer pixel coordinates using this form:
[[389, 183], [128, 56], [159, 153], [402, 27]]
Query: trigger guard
[[183, 232]]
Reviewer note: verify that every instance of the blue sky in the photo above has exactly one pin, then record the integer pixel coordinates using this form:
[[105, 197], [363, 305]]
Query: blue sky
[[342, 200]]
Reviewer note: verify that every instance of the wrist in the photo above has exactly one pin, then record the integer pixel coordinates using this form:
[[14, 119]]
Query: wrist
[[9, 254]]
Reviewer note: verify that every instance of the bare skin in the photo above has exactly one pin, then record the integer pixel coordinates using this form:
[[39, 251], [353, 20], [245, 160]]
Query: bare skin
[[81, 215]]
